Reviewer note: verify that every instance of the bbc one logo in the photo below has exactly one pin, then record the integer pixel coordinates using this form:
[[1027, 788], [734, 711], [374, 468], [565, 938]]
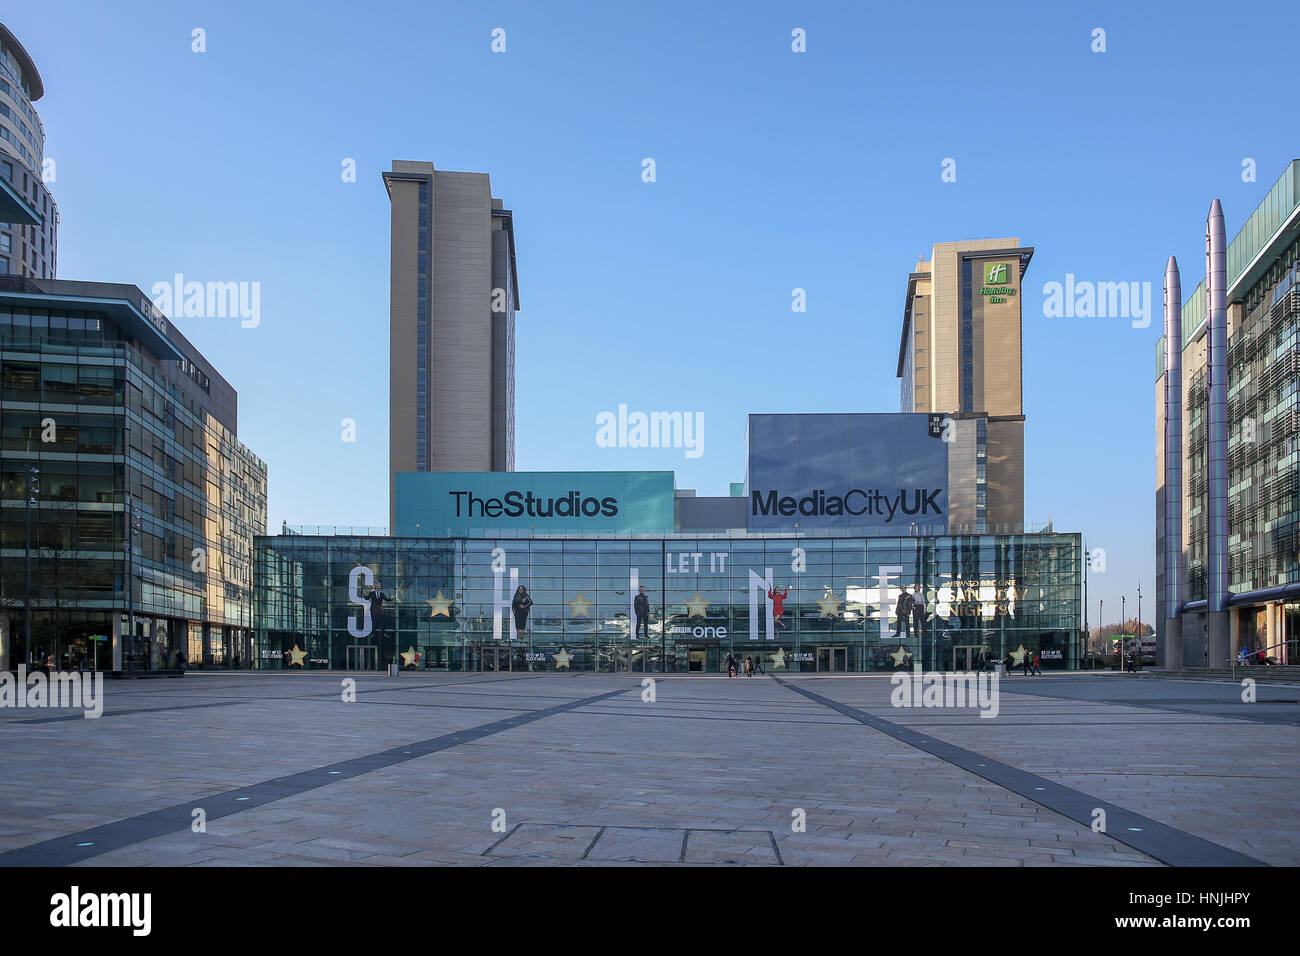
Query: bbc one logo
[[700, 632], [516, 504]]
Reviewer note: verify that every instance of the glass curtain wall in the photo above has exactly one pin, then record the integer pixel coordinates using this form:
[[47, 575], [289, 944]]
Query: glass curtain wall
[[792, 605]]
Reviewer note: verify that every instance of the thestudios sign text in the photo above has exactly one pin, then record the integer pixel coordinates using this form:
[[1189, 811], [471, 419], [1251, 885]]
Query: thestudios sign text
[[516, 504]]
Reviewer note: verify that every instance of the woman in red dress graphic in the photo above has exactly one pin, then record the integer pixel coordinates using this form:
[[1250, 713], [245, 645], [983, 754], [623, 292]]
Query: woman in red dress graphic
[[778, 603]]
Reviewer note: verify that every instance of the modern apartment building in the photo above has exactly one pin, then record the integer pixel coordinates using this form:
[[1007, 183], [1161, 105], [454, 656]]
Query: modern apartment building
[[960, 356], [1228, 443], [128, 504], [29, 217], [454, 290]]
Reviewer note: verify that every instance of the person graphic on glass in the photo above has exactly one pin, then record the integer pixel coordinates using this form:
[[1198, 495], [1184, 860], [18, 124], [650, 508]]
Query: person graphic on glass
[[778, 604], [918, 611], [520, 605], [903, 614], [376, 599], [641, 604]]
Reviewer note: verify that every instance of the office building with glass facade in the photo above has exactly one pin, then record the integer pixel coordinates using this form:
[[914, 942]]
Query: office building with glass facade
[[29, 216], [445, 603], [802, 567], [127, 495], [1247, 567]]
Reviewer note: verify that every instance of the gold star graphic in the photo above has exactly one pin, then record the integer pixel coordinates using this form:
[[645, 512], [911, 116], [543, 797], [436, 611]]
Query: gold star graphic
[[1018, 656], [778, 659], [297, 656], [697, 605], [408, 657], [899, 656], [830, 604], [579, 606], [562, 659], [440, 605]]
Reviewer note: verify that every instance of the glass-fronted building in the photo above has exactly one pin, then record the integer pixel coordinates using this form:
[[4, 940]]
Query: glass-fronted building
[[1262, 365], [29, 216], [445, 603], [127, 495], [802, 566]]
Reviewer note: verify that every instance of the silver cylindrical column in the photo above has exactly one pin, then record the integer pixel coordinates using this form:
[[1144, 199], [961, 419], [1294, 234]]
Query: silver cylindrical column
[[1172, 539], [1216, 505]]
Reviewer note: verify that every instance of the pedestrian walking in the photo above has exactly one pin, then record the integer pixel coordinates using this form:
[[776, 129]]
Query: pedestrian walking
[[731, 665], [758, 663], [1024, 664], [180, 661], [1037, 658], [749, 667]]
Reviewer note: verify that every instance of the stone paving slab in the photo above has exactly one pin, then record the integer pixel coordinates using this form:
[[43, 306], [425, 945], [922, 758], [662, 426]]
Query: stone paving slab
[[714, 772]]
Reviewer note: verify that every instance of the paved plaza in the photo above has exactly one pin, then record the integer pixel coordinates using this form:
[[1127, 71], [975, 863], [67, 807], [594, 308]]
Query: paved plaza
[[521, 769]]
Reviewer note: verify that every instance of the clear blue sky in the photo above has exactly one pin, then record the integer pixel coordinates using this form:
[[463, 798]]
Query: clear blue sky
[[775, 170]]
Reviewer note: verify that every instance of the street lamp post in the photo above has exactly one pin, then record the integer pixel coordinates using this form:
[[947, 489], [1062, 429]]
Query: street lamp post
[[1101, 620], [1138, 630], [30, 491], [132, 529], [1087, 560], [1123, 633]]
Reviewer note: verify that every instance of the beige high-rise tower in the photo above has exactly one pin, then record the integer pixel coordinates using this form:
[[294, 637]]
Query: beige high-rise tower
[[453, 295], [960, 356]]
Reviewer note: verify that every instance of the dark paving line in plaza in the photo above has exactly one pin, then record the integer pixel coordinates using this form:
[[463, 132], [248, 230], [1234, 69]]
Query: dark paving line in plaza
[[434, 685], [76, 847], [123, 713], [1164, 843], [741, 720], [230, 688], [1192, 705]]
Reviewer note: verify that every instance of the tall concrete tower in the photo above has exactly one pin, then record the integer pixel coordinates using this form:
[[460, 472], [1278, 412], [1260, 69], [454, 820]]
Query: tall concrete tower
[[454, 290], [961, 356]]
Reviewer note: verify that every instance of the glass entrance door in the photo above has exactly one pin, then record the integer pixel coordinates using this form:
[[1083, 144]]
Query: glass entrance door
[[496, 658], [835, 659], [629, 659], [363, 657]]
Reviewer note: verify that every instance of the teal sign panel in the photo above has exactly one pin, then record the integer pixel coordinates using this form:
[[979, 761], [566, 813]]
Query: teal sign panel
[[433, 502]]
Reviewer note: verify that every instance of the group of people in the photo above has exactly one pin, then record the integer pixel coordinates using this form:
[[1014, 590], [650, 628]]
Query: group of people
[[751, 665], [1029, 665], [1247, 656]]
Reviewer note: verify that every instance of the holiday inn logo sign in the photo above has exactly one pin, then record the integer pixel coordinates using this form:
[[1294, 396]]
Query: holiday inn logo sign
[[997, 282]]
